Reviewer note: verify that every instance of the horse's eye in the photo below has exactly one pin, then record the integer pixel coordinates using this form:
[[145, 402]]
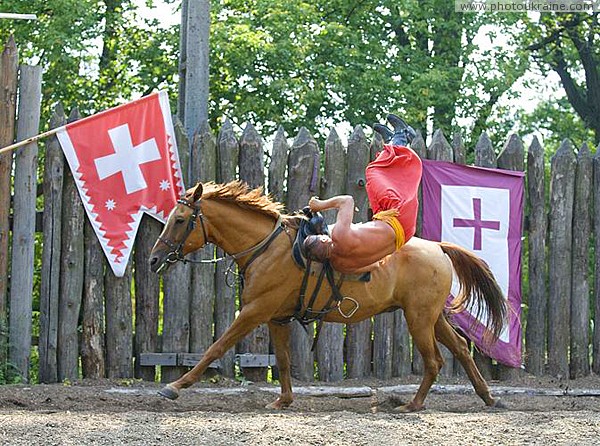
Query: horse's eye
[[179, 220]]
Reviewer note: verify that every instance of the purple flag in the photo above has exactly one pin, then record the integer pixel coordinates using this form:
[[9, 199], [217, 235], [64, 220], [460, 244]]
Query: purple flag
[[480, 209]]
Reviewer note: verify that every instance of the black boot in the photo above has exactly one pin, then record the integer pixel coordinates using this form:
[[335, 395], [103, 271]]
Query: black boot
[[403, 133], [384, 131]]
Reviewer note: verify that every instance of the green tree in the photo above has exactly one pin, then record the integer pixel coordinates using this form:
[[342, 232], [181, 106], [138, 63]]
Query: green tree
[[95, 53], [297, 63], [569, 44]]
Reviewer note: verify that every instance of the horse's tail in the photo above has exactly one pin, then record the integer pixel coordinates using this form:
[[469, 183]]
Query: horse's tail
[[478, 285]]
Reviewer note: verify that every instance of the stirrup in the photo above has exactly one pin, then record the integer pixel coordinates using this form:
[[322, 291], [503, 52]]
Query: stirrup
[[351, 313]]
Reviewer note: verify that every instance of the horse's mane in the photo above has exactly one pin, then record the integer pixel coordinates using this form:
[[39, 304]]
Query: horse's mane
[[244, 196]]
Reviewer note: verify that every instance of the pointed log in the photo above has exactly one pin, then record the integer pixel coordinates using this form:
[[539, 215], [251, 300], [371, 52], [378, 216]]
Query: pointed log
[[54, 164], [358, 336], [535, 341], [330, 347], [484, 152], [23, 243], [71, 277], [596, 299], [252, 171], [278, 166], [440, 149], [579, 354], [228, 151], [459, 149], [560, 267], [9, 65], [303, 182]]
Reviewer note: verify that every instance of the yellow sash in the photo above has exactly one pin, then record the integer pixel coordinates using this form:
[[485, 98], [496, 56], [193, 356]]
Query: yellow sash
[[389, 217]]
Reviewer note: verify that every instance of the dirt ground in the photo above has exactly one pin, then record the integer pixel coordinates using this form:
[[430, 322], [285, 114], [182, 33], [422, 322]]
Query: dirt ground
[[228, 413]]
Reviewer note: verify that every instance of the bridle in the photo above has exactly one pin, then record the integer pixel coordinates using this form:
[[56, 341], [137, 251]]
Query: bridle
[[176, 253]]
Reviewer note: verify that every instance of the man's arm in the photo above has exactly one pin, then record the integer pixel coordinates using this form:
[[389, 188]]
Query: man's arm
[[343, 203]]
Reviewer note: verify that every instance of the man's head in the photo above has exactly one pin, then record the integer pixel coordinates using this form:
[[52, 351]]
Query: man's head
[[318, 247]]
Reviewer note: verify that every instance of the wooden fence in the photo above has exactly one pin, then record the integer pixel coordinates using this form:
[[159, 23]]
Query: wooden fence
[[93, 324]]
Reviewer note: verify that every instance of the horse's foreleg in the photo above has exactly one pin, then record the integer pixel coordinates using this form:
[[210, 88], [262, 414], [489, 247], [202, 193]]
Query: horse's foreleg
[[458, 346], [280, 336], [248, 319]]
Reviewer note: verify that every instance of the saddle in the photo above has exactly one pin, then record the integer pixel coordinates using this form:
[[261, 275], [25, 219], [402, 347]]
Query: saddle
[[314, 225]]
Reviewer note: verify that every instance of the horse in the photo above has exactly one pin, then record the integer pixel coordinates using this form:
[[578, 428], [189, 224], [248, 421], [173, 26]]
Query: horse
[[254, 232]]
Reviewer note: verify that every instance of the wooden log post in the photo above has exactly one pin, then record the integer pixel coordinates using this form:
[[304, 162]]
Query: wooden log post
[[460, 157], [440, 150], [119, 324], [420, 148], [395, 322], [459, 149], [385, 333], [276, 181], [24, 207], [580, 287], [560, 262], [176, 285], [358, 335], [54, 165], [203, 168], [9, 66], [228, 150], [93, 345], [147, 292], [596, 299], [252, 167], [278, 166], [330, 346], [303, 182], [535, 336], [71, 277], [511, 157], [485, 156]]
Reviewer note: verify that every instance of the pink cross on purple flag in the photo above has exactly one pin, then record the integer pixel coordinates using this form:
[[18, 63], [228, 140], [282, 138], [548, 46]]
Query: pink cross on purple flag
[[480, 209]]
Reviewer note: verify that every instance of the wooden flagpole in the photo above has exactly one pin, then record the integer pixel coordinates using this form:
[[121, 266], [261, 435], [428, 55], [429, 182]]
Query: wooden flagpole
[[30, 140], [10, 15]]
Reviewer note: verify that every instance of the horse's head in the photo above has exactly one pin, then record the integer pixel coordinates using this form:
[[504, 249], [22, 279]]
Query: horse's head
[[179, 237]]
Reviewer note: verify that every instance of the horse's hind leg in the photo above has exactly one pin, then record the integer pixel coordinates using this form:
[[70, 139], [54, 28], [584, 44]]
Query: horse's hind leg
[[424, 340], [458, 346], [280, 336]]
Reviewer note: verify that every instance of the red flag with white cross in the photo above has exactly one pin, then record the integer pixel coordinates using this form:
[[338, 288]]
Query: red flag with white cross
[[125, 163]]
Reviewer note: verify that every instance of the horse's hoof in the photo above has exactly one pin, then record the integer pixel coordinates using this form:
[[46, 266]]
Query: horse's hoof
[[278, 405], [409, 408], [169, 392], [499, 404]]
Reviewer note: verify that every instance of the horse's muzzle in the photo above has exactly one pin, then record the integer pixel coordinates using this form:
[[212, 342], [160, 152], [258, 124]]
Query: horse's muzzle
[[158, 265]]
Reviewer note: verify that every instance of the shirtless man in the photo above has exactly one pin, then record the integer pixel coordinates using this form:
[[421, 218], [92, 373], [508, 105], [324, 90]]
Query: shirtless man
[[392, 186]]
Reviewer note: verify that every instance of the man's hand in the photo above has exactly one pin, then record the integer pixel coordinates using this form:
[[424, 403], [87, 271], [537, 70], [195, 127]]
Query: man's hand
[[314, 203]]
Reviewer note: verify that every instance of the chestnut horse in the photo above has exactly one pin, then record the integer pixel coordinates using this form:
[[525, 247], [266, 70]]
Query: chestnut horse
[[417, 278]]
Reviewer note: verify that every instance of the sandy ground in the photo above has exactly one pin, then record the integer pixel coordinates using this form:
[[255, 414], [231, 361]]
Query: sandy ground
[[227, 413]]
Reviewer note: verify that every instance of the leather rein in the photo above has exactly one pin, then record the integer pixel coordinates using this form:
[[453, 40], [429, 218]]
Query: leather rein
[[176, 253]]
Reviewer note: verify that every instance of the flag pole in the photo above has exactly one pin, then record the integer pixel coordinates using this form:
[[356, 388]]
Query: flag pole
[[31, 139]]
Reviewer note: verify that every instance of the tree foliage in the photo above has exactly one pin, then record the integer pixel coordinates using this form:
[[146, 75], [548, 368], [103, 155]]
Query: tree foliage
[[297, 63], [569, 44], [315, 64], [95, 53]]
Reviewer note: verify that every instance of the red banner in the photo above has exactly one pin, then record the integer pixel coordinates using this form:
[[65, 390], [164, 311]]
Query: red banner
[[125, 164]]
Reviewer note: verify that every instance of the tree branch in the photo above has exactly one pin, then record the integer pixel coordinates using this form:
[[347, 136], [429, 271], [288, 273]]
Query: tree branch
[[576, 99]]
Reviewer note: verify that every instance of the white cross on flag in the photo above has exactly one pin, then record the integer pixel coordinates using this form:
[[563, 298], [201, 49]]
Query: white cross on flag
[[481, 210], [125, 163]]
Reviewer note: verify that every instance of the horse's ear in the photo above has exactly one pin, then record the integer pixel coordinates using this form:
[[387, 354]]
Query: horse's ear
[[197, 192]]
